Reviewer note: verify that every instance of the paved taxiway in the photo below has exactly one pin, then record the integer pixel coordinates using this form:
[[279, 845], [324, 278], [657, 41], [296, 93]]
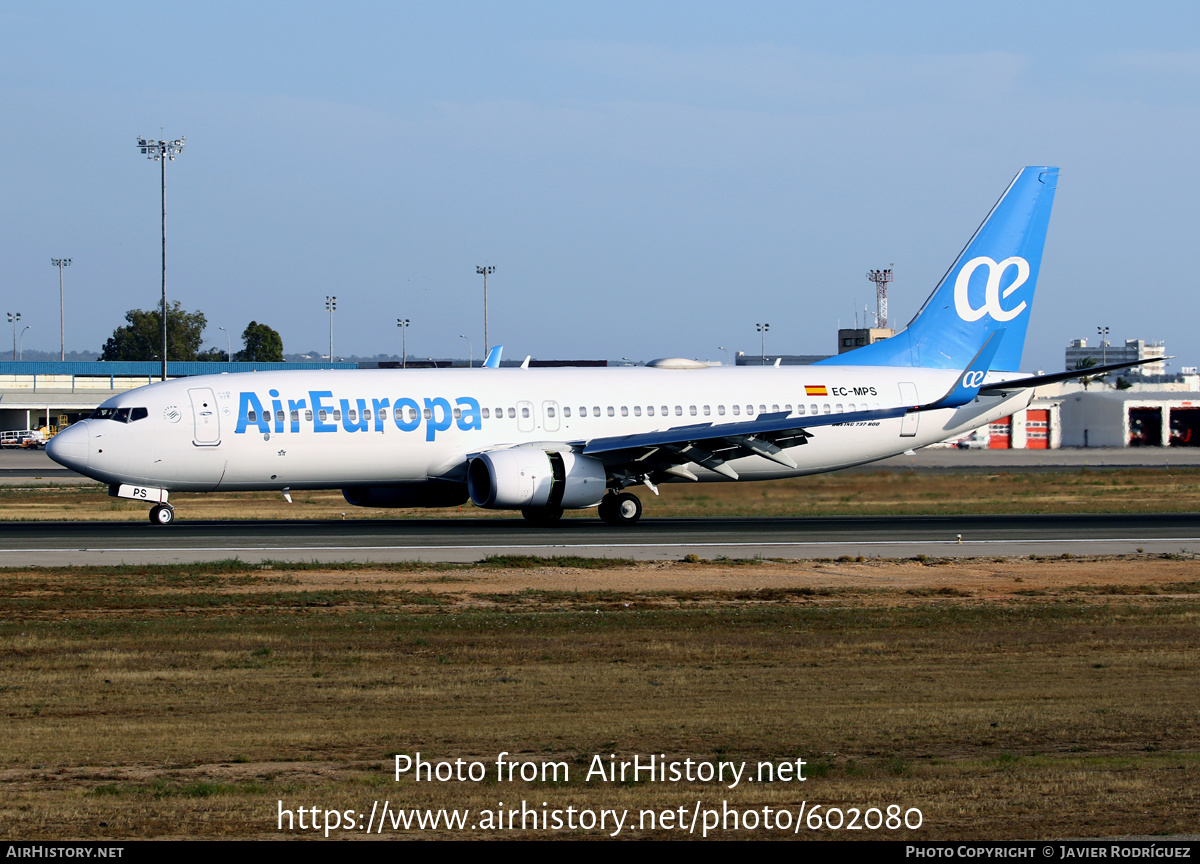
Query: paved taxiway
[[75, 543]]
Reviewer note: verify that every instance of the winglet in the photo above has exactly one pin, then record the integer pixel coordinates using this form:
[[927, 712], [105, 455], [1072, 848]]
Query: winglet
[[966, 388], [493, 358]]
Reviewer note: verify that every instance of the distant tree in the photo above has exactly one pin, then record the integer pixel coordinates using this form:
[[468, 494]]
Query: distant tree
[[141, 337], [1088, 363], [1123, 384], [212, 355], [263, 345]]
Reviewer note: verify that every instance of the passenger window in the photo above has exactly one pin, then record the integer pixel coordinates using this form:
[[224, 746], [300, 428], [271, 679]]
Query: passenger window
[[665, 412], [611, 412], [550, 411], [582, 410], [692, 410], [737, 410], [320, 414], [457, 413], [595, 410], [566, 411], [707, 412], [799, 409], [367, 414], [837, 409], [308, 415], [814, 408], [279, 416], [825, 408], [721, 410], [678, 410], [637, 410], [775, 408], [486, 413], [428, 412], [337, 413], [252, 416], [649, 410], [762, 409], [512, 413], [624, 410], [525, 413], [383, 413]]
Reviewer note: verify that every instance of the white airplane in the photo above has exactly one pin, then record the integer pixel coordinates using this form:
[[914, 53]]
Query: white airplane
[[545, 440]]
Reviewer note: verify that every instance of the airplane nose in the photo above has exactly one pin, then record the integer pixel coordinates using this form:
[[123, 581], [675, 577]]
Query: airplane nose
[[70, 447]]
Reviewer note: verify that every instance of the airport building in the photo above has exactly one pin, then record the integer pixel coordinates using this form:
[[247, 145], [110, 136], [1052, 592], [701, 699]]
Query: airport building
[[1079, 352]]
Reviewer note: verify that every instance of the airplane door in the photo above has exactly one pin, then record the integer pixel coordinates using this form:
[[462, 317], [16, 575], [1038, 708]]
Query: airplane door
[[525, 418], [908, 398], [204, 415], [550, 416]]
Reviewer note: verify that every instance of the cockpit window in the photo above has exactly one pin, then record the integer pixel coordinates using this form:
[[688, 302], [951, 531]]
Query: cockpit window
[[121, 415]]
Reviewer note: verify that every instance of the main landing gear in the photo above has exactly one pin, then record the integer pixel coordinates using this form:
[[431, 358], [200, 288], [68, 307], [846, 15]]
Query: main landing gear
[[622, 508], [162, 514]]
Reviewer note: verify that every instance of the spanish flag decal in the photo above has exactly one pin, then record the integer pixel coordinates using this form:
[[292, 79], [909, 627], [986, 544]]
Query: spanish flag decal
[[815, 391]]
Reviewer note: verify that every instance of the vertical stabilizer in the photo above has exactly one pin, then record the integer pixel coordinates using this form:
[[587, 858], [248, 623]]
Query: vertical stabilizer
[[988, 288]]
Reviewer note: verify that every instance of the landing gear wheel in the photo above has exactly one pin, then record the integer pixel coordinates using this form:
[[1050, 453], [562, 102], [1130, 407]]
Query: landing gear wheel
[[542, 515], [622, 509], [162, 514]]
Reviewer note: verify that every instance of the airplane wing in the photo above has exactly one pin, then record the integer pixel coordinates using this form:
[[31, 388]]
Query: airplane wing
[[715, 444]]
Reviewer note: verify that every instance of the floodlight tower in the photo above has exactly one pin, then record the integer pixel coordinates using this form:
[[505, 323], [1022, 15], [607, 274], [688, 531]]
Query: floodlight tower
[[762, 329], [881, 278], [60, 263], [331, 306], [13, 318], [161, 151], [485, 271], [403, 323]]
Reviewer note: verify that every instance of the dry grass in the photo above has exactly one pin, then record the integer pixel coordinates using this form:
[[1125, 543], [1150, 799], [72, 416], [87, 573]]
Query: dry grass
[[848, 493], [1003, 698]]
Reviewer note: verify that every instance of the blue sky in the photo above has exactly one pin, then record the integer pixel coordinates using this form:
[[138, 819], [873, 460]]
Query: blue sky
[[649, 179]]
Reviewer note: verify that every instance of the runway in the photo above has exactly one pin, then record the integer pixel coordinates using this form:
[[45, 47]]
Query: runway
[[460, 540]]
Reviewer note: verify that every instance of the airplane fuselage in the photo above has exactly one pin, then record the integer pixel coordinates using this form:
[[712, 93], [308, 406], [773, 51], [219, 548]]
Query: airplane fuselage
[[339, 428]]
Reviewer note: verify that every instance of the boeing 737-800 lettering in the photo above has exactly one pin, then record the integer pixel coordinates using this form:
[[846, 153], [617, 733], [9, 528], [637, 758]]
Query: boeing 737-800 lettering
[[545, 440]]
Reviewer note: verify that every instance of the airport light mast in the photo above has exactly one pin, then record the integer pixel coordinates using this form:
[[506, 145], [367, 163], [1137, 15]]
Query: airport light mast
[[60, 263], [331, 306], [161, 151], [485, 271], [13, 318], [403, 323], [762, 329]]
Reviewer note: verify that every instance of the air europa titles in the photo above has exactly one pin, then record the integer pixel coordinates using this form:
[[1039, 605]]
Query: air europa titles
[[323, 412]]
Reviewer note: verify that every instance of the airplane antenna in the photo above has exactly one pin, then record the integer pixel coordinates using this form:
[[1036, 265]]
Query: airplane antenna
[[881, 278]]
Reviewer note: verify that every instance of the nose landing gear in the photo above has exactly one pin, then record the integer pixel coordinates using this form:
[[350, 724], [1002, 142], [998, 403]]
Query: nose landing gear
[[620, 509], [162, 514]]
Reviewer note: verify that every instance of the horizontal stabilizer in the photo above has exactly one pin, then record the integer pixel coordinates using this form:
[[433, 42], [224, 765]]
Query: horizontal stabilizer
[[1000, 387]]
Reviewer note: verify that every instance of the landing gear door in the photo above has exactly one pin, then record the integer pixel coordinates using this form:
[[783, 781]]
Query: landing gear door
[[908, 398], [205, 416]]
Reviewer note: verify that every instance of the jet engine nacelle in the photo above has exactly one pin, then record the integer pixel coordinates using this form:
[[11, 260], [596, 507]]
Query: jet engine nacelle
[[407, 495], [531, 477]]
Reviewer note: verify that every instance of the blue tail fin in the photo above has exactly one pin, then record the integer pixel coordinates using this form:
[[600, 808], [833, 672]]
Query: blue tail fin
[[989, 287]]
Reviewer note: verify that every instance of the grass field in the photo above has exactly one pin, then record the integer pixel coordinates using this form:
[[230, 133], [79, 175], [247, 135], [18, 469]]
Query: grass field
[[1004, 699], [849, 493]]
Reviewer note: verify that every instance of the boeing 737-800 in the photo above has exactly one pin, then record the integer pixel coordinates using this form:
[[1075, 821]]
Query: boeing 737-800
[[544, 440]]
